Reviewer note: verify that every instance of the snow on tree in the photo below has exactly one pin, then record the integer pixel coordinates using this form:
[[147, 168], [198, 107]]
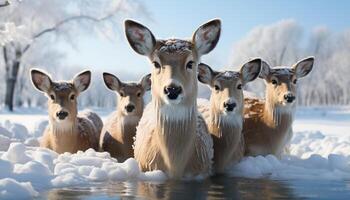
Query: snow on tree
[[30, 25], [284, 43]]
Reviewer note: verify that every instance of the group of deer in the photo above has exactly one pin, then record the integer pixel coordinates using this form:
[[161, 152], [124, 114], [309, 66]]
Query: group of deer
[[176, 132]]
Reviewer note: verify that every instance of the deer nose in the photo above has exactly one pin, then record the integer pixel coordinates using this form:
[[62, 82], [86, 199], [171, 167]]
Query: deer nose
[[229, 106], [289, 97], [129, 108], [62, 115], [172, 91]]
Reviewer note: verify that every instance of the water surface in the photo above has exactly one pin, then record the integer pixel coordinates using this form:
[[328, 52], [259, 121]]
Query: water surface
[[218, 187]]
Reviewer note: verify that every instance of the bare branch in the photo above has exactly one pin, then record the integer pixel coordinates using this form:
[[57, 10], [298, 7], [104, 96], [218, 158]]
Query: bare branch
[[65, 21], [7, 3]]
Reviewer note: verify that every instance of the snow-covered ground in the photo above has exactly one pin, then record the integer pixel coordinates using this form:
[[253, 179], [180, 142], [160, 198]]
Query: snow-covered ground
[[320, 150]]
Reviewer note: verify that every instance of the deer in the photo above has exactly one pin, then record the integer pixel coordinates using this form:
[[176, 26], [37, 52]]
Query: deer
[[267, 127], [224, 112], [120, 127], [172, 136], [67, 130]]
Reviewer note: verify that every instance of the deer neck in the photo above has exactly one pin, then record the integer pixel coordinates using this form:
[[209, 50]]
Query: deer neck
[[65, 136], [226, 127], [277, 116], [175, 131], [126, 124]]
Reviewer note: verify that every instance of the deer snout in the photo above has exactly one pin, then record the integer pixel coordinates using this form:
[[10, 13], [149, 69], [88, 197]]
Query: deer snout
[[62, 115], [129, 108], [172, 91], [229, 106], [289, 97]]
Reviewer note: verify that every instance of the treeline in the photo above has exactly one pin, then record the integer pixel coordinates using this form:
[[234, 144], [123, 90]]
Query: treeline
[[286, 42]]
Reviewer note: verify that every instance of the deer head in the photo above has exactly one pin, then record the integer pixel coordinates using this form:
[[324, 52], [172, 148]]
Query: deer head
[[227, 87], [62, 95], [130, 95], [174, 72], [281, 82]]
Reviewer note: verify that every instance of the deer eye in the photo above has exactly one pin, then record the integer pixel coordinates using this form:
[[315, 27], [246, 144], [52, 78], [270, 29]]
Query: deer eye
[[295, 81], [52, 97], [239, 86], [139, 94], [189, 65], [122, 94], [216, 87], [156, 65], [72, 97], [274, 82]]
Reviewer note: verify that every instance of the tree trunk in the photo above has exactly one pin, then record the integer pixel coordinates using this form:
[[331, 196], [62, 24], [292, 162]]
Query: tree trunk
[[11, 79]]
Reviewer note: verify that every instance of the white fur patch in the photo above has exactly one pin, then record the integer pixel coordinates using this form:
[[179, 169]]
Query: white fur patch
[[175, 112]]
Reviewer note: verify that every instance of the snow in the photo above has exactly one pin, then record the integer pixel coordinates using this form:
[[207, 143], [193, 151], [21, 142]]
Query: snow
[[44, 169], [11, 189], [175, 45], [319, 150]]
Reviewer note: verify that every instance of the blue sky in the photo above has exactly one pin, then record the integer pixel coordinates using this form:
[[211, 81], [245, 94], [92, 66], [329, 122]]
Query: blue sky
[[181, 18]]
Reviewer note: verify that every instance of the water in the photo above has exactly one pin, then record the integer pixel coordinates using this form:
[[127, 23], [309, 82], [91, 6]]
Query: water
[[218, 187]]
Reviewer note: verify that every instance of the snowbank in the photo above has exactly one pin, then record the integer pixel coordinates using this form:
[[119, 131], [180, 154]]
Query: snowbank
[[313, 155], [32, 169]]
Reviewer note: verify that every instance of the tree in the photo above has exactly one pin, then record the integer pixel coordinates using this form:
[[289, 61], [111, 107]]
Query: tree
[[283, 43], [27, 22], [4, 4]]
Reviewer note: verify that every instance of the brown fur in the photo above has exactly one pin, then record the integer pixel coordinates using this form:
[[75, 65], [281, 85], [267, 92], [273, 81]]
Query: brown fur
[[171, 135], [225, 125], [81, 135], [74, 132], [268, 123], [120, 128]]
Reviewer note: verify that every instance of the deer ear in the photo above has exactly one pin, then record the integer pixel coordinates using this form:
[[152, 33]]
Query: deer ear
[[146, 82], [40, 80], [250, 71], [205, 74], [207, 36], [82, 80], [303, 67], [111, 81], [139, 37], [265, 70]]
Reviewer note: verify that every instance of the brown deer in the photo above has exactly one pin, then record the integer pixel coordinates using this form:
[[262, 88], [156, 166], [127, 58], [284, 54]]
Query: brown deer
[[171, 135], [120, 128], [67, 131], [268, 123], [224, 113]]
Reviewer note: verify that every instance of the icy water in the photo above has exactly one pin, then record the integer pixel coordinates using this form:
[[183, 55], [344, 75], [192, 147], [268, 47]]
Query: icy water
[[218, 187]]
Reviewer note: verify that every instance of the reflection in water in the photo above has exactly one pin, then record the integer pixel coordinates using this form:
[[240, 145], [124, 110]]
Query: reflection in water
[[218, 187]]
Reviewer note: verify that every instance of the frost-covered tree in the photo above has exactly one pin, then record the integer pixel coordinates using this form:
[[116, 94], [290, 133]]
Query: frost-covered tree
[[25, 24], [283, 43]]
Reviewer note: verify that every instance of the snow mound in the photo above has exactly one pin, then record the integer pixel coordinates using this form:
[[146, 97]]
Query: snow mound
[[33, 169], [312, 156], [304, 144], [14, 132], [11, 189], [17, 131]]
